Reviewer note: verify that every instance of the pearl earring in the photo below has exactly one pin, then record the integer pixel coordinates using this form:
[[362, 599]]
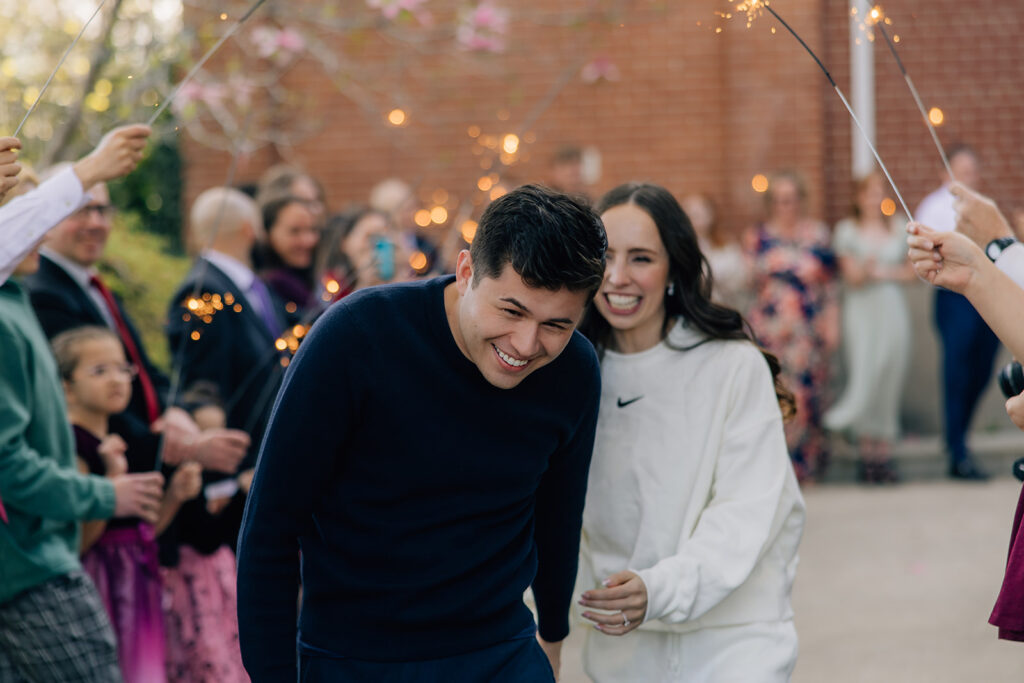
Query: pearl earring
[[671, 289]]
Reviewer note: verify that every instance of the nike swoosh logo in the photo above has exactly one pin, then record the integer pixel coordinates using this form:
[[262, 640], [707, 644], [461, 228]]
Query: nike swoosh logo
[[623, 404]]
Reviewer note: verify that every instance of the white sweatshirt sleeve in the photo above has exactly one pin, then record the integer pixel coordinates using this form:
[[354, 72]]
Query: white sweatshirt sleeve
[[27, 218], [749, 502], [1011, 262]]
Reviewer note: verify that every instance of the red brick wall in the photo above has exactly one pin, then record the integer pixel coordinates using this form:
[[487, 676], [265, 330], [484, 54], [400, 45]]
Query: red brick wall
[[692, 110], [965, 58]]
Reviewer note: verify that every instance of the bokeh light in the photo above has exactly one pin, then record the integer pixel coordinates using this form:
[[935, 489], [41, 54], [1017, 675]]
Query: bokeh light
[[397, 117], [759, 183]]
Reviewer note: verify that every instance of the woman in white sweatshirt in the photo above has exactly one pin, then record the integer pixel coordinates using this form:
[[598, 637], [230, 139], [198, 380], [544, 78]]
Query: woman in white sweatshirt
[[693, 513]]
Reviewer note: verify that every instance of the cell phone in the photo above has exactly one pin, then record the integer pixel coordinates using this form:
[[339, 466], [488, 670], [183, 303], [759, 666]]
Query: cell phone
[[1011, 379], [384, 255]]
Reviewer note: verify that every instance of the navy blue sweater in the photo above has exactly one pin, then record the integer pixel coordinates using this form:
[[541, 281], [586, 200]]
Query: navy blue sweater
[[424, 499]]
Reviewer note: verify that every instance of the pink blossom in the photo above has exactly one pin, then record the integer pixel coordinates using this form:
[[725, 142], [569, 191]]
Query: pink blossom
[[277, 44], [290, 41], [598, 68], [482, 28]]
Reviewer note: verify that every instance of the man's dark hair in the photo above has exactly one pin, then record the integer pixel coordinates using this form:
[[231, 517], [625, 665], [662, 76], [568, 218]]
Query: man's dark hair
[[958, 148], [551, 240]]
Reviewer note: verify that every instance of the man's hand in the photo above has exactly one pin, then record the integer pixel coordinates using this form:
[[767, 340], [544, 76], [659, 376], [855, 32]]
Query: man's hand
[[112, 451], [944, 259], [978, 217], [9, 166], [1015, 409], [626, 594], [138, 495], [554, 653], [180, 435], [118, 153], [221, 450]]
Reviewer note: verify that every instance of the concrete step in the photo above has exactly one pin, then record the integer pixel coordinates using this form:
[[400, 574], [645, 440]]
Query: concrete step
[[920, 457]]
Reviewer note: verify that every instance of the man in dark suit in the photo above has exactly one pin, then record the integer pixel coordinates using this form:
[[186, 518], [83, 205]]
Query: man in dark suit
[[223, 327], [67, 292], [223, 322]]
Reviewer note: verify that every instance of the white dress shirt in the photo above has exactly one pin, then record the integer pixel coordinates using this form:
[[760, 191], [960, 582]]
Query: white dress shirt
[[937, 210], [26, 219]]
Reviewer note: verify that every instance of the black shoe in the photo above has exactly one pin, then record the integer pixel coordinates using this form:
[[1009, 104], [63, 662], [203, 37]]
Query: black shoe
[[967, 470]]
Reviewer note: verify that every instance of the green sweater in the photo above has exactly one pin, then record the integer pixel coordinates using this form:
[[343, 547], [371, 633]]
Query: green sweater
[[41, 487]]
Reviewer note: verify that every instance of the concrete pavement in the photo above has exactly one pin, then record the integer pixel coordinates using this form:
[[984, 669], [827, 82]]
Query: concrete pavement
[[896, 585]]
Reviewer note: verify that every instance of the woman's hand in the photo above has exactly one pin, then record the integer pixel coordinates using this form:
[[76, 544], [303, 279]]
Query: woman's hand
[[186, 482], [1015, 409], [945, 259], [626, 593]]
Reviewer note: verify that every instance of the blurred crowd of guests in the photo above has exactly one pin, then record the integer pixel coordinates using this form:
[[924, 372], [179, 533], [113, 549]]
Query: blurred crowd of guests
[[271, 257]]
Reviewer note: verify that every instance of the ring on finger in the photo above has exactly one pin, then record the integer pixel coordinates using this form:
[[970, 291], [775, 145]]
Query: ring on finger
[[625, 619]]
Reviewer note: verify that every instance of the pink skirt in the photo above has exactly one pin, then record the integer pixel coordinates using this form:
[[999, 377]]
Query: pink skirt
[[202, 619], [124, 566]]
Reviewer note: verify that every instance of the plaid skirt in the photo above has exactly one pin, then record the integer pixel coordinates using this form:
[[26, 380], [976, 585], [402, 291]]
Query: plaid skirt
[[58, 631]]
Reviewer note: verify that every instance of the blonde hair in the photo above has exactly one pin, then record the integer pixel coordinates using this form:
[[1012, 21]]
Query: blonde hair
[[66, 346], [221, 210]]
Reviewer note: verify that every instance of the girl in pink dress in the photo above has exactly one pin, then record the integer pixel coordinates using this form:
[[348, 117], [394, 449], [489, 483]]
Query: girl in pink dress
[[121, 555]]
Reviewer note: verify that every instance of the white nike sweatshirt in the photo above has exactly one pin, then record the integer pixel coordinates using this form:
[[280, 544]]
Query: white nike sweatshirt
[[691, 485]]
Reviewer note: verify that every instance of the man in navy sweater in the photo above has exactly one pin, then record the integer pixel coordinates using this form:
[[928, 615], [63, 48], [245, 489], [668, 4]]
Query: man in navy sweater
[[428, 455]]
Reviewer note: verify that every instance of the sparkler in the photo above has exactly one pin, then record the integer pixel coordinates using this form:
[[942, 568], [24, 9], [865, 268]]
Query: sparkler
[[754, 9], [209, 53], [202, 307], [877, 19], [57, 68]]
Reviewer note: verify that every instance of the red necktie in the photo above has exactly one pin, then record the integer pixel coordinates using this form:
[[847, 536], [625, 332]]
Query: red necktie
[[148, 390]]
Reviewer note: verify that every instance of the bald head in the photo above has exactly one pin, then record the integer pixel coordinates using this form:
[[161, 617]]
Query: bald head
[[223, 215]]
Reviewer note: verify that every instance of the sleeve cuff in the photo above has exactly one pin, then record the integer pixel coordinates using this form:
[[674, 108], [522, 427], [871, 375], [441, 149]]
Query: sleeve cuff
[[105, 498], [1011, 262]]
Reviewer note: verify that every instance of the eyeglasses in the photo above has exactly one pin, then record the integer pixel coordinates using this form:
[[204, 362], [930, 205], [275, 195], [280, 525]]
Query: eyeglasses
[[126, 370], [101, 211]]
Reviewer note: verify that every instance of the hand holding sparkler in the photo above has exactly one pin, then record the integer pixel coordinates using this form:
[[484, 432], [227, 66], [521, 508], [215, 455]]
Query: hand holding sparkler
[[217, 449], [9, 166], [221, 449], [138, 495], [945, 259], [118, 153], [978, 217]]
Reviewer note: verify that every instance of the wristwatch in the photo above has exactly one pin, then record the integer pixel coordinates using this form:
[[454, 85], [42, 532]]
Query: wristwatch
[[996, 247]]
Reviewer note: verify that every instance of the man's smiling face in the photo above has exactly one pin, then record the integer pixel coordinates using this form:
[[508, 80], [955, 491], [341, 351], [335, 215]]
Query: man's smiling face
[[507, 328]]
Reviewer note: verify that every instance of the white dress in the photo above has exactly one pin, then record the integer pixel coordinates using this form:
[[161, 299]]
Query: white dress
[[691, 487], [876, 339]]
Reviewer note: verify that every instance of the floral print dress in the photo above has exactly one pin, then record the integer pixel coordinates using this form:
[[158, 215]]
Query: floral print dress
[[795, 316]]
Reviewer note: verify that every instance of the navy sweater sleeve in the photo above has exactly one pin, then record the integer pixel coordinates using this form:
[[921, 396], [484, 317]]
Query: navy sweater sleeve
[[559, 518], [293, 461]]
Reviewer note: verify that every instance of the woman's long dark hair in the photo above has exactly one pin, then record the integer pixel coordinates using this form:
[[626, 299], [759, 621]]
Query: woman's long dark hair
[[690, 275]]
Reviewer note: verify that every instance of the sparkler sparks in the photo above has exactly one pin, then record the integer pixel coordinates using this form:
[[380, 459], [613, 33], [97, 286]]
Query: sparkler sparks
[[877, 19], [753, 9]]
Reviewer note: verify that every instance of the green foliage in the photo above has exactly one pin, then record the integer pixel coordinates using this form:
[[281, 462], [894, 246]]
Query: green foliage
[[141, 269], [153, 192]]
